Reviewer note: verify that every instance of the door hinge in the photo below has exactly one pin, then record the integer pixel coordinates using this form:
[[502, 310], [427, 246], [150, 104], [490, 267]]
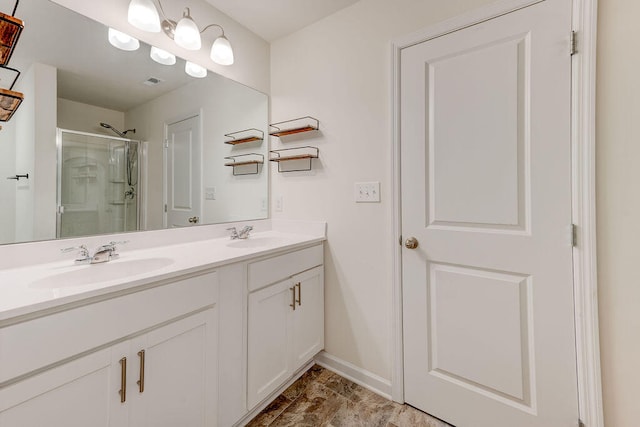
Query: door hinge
[[165, 207], [574, 235], [573, 43], [400, 240], [166, 143]]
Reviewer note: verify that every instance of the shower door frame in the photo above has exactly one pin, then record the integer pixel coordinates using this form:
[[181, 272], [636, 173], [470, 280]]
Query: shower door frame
[[59, 209]]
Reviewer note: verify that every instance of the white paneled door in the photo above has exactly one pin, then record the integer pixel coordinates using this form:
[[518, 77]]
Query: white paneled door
[[486, 193], [183, 164]]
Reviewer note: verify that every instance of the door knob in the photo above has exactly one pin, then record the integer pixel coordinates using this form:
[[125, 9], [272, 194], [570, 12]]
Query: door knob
[[194, 220], [411, 243]]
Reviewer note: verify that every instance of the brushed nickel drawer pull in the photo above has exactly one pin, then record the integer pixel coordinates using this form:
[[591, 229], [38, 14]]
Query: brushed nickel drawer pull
[[293, 298], [123, 380], [140, 381]]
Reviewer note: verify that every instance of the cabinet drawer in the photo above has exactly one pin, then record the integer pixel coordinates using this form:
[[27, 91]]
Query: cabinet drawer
[[40, 342], [268, 271]]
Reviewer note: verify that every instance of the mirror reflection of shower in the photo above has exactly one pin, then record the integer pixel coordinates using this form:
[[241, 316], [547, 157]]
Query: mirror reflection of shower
[[97, 182], [131, 161]]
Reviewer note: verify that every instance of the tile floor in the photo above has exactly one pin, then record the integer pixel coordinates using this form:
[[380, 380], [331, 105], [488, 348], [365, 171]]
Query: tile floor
[[322, 398]]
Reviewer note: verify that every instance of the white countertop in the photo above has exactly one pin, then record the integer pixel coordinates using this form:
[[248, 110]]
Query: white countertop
[[29, 289]]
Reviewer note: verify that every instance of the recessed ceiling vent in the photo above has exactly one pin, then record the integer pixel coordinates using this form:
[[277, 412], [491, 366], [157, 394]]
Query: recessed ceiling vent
[[152, 81]]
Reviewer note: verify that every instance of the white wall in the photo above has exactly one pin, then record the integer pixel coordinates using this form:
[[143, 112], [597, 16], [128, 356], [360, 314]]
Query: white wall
[[82, 117], [251, 52], [226, 106], [36, 151], [618, 207], [338, 70], [7, 187]]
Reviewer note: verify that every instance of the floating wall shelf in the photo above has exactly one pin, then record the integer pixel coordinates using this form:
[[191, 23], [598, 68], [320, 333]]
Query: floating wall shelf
[[244, 136], [244, 161], [292, 127], [290, 154], [10, 30]]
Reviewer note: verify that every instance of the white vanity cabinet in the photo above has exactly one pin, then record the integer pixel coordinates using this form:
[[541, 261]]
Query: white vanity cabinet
[[147, 358], [75, 394], [285, 319], [173, 387], [203, 344]]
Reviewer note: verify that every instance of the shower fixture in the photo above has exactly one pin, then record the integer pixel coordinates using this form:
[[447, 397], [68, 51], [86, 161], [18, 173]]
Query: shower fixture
[[116, 131]]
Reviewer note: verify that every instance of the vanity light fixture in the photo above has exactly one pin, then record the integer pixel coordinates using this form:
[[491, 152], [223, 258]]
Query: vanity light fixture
[[143, 15], [123, 41], [195, 70], [162, 56], [187, 34], [221, 51]]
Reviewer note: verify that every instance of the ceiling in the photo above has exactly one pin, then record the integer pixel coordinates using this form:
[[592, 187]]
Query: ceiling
[[277, 18]]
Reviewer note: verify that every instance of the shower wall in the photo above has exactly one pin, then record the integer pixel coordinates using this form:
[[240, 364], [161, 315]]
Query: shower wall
[[94, 180]]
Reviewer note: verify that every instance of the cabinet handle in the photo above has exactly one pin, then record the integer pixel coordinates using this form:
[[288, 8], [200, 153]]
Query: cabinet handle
[[140, 381], [123, 380], [293, 298], [299, 300]]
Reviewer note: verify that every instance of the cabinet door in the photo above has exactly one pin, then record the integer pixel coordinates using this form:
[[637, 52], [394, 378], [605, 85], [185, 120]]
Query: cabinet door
[[269, 338], [80, 393], [308, 318], [173, 383]]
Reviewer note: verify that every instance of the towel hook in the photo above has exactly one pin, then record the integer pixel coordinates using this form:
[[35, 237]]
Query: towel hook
[[17, 177]]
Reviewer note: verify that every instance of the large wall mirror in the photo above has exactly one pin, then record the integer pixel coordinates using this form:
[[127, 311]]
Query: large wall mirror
[[113, 141]]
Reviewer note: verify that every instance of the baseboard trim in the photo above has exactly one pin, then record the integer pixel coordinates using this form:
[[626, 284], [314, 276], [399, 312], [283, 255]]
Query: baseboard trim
[[360, 376]]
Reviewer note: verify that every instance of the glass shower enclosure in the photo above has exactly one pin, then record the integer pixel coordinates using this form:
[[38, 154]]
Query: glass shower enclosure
[[98, 179]]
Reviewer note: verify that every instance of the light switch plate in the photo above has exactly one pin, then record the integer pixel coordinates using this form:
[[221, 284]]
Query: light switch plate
[[367, 192], [210, 193]]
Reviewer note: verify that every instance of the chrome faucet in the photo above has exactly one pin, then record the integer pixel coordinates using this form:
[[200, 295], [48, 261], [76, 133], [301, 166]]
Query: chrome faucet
[[83, 256], [242, 234], [104, 253]]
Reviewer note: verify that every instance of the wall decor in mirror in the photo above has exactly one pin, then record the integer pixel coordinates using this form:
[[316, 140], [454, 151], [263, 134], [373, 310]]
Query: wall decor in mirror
[[115, 140]]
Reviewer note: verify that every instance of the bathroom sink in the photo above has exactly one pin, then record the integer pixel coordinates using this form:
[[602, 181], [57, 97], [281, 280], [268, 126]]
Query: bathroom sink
[[258, 242], [96, 273]]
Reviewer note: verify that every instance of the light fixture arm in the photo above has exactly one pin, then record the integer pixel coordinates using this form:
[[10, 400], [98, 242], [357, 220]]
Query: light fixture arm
[[213, 25], [168, 25], [164, 15]]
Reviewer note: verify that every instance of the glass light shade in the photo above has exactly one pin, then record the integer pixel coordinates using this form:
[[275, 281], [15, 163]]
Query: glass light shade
[[162, 56], [187, 33], [195, 70], [122, 41], [221, 52], [144, 15]]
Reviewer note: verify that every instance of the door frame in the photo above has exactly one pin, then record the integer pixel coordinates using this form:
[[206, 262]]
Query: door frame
[[583, 189]]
